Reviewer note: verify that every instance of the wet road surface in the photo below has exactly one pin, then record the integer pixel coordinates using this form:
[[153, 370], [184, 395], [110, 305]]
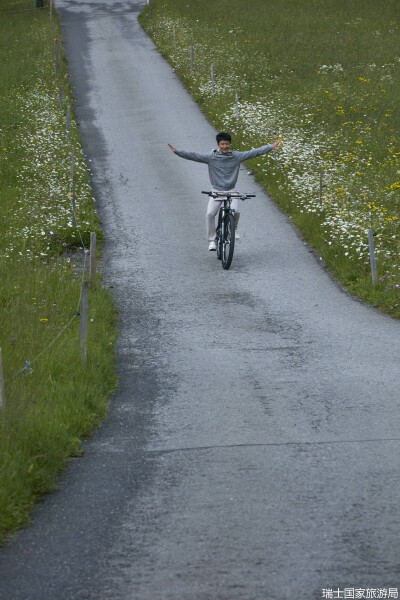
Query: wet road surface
[[252, 449]]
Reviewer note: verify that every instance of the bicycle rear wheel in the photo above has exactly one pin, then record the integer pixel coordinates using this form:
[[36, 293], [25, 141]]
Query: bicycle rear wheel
[[228, 242]]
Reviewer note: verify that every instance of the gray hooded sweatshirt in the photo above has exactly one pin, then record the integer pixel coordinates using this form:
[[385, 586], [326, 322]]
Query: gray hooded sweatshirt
[[223, 169]]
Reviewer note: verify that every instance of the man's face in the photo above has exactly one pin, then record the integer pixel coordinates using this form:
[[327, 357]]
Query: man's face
[[224, 146]]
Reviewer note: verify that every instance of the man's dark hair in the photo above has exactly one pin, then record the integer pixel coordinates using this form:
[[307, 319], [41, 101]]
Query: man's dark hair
[[223, 136]]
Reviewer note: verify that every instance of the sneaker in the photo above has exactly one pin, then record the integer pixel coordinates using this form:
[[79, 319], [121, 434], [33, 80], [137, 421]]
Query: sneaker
[[212, 246], [237, 236]]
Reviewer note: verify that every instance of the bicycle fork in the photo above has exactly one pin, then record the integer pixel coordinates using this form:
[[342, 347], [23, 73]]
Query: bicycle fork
[[223, 214]]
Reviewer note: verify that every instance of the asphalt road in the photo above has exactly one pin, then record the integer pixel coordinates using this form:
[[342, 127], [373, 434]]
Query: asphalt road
[[252, 449]]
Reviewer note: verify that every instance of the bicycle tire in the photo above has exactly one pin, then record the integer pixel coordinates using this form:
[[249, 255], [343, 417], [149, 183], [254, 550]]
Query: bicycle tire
[[228, 243], [219, 237], [219, 247]]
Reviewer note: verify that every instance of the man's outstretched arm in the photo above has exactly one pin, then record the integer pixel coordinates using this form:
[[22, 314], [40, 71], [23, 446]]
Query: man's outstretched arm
[[196, 156], [259, 151]]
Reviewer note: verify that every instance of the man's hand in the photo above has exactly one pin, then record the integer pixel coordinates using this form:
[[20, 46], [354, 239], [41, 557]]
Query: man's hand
[[275, 145], [172, 148]]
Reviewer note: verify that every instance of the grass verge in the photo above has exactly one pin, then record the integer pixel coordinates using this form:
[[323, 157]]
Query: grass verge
[[322, 76], [52, 399]]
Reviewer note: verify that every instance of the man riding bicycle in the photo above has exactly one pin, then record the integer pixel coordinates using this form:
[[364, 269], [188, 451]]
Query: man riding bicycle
[[223, 170]]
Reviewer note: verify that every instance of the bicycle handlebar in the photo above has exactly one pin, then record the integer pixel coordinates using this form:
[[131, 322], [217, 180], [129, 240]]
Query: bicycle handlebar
[[228, 195]]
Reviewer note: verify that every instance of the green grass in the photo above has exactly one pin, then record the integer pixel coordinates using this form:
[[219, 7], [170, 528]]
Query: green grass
[[53, 399], [323, 77]]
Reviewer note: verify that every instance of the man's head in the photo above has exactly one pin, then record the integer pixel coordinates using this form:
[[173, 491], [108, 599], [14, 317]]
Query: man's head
[[224, 142]]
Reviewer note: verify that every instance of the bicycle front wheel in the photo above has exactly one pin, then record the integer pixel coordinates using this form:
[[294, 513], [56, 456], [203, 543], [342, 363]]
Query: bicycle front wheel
[[228, 242], [219, 244]]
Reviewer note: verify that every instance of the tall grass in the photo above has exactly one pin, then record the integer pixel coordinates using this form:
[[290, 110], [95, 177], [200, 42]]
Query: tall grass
[[52, 398], [323, 76]]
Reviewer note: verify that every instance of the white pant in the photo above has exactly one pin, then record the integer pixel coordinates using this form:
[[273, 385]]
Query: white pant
[[212, 211]]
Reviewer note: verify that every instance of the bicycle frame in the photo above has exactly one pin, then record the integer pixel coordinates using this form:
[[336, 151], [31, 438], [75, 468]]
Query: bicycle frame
[[224, 209], [225, 230]]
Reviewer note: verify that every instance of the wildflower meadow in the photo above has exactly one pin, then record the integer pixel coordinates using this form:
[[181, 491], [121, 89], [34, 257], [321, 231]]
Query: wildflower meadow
[[50, 398], [323, 78]]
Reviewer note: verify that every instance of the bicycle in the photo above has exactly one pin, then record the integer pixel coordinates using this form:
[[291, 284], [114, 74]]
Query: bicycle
[[226, 225]]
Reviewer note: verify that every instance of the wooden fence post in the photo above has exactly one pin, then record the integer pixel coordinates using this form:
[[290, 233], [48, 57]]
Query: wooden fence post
[[51, 19], [273, 139], [2, 392], [57, 60], [92, 264], [372, 257], [68, 121], [72, 163], [73, 204], [84, 319], [320, 188]]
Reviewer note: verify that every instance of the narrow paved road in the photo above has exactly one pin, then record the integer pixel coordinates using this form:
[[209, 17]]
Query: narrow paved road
[[252, 449]]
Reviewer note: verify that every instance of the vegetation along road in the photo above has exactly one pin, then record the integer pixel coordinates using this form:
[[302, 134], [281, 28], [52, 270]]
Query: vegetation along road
[[252, 449]]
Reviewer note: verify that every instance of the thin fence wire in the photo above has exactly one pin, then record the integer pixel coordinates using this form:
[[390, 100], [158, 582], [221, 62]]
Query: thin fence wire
[[6, 12], [388, 239], [28, 364]]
